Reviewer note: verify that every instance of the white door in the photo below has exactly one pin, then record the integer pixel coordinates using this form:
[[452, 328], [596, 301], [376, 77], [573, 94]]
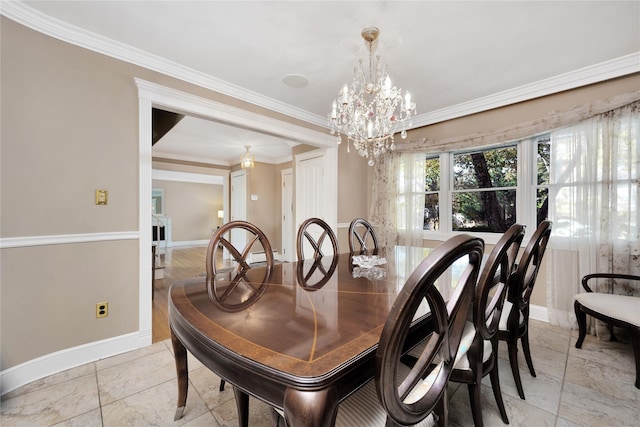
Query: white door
[[238, 206], [312, 198], [287, 216]]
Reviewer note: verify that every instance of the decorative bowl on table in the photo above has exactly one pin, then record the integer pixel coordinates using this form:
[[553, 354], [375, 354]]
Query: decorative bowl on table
[[373, 273], [368, 261]]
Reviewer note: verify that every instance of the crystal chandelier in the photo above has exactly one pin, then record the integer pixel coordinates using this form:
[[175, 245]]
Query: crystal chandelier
[[246, 161], [371, 111]]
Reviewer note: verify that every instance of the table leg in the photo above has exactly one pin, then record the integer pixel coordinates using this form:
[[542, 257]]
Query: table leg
[[311, 408], [242, 403], [180, 355]]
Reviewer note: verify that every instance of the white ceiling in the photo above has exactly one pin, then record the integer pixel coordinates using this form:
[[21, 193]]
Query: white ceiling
[[455, 58]]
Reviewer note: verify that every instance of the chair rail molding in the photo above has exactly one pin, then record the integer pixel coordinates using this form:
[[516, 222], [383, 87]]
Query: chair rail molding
[[60, 239]]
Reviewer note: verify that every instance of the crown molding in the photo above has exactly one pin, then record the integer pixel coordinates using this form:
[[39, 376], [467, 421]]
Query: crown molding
[[53, 27], [617, 67], [27, 16]]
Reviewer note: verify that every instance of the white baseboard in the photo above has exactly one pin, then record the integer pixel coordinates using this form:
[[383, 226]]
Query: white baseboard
[[538, 312], [189, 243], [49, 364]]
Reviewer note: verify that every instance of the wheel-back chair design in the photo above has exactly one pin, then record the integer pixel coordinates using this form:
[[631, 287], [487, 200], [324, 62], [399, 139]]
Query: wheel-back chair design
[[481, 359], [306, 234], [402, 395], [236, 288], [514, 323], [362, 237], [622, 311]]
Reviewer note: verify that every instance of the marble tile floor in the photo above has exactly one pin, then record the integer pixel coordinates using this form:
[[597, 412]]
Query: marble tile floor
[[592, 386]]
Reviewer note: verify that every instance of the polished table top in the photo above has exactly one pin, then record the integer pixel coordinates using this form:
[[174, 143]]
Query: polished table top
[[299, 328]]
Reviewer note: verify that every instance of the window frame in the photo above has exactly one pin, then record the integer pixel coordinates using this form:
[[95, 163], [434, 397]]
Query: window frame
[[526, 189]]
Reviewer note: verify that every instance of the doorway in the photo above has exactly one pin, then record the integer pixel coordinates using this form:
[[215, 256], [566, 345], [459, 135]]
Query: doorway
[[152, 95]]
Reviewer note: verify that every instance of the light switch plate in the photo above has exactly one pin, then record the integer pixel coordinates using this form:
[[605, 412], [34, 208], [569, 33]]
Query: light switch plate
[[101, 197]]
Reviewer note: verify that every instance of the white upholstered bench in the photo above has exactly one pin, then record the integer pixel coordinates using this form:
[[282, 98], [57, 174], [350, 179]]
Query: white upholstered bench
[[622, 311]]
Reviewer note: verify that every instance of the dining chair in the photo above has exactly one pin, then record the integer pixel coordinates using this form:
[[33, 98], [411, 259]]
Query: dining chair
[[514, 322], [622, 311], [222, 283], [417, 395], [481, 359], [362, 237], [312, 232]]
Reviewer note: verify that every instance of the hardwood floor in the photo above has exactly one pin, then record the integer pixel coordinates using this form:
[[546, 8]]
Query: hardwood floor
[[180, 264]]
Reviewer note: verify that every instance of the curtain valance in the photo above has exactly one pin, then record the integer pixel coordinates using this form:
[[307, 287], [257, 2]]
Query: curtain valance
[[553, 120]]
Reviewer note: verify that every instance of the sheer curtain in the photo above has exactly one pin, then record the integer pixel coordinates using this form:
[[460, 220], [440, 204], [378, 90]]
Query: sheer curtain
[[397, 205], [593, 203]]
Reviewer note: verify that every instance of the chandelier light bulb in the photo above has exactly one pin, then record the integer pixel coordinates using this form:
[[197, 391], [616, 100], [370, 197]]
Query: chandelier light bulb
[[371, 110]]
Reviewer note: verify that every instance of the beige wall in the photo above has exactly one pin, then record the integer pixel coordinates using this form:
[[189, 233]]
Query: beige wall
[[49, 296], [353, 191], [261, 182], [69, 127], [277, 239], [192, 207]]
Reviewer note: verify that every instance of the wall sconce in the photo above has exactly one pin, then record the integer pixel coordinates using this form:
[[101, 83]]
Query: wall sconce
[[221, 214]]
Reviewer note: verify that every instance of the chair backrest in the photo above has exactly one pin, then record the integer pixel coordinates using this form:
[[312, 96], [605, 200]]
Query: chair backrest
[[362, 237], [313, 231], [521, 286], [494, 281], [224, 285], [410, 398]]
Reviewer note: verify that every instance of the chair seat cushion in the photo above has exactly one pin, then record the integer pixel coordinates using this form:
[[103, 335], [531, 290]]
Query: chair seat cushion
[[363, 409], [506, 310], [462, 357], [622, 307]]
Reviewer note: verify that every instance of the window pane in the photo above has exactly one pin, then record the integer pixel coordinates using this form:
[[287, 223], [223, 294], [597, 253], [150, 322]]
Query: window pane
[[432, 174], [431, 212], [543, 161], [486, 169], [542, 204], [491, 211]]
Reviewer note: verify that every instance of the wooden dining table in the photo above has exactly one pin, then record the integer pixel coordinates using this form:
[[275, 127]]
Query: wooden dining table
[[301, 337]]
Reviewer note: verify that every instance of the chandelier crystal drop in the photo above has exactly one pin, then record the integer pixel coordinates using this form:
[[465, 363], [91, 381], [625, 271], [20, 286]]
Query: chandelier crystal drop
[[371, 110]]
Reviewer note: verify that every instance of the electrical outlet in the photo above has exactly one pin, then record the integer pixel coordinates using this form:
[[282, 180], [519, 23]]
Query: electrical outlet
[[102, 309]]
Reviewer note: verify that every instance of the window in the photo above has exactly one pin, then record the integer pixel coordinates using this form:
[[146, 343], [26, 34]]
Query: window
[[543, 161], [431, 194], [484, 189]]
